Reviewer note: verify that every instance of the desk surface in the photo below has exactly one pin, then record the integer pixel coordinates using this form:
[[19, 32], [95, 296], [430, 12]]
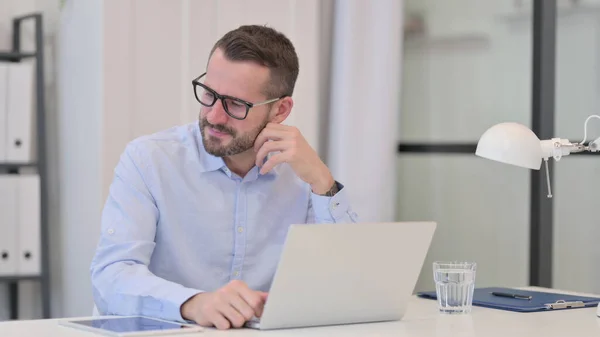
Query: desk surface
[[421, 320]]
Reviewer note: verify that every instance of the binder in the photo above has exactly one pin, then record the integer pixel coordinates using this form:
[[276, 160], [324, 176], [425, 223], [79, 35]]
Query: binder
[[20, 110], [540, 301], [8, 225], [3, 108], [29, 238]]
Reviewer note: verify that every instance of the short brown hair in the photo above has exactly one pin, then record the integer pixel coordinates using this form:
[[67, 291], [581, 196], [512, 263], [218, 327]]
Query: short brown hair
[[268, 48]]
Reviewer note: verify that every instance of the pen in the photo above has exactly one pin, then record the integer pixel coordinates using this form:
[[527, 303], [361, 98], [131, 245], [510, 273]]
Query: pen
[[517, 296]]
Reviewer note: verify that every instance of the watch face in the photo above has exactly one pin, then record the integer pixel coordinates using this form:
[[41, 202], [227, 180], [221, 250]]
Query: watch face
[[333, 190]]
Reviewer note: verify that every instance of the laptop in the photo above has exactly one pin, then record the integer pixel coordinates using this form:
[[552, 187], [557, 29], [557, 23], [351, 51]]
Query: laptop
[[331, 274]]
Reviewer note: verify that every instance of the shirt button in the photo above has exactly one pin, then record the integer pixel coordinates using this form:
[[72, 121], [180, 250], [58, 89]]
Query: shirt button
[[111, 231], [236, 274], [240, 229]]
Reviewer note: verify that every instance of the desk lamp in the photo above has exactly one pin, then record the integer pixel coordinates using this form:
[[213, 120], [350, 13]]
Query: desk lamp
[[516, 144]]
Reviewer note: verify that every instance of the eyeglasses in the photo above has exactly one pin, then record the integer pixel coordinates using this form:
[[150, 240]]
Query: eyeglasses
[[235, 107]]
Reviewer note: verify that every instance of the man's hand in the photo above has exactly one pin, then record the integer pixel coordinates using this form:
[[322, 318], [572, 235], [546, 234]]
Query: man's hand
[[294, 150], [228, 307]]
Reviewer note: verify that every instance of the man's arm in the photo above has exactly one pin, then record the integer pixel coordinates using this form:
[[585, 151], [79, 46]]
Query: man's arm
[[328, 200], [121, 281]]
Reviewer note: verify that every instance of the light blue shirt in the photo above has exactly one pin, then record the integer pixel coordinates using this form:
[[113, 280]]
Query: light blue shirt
[[178, 222]]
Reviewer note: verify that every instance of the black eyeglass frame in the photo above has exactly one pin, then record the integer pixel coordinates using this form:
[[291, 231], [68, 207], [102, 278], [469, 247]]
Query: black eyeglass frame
[[217, 96]]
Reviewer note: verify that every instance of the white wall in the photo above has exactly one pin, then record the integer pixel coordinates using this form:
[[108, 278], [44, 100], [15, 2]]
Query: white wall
[[80, 143], [365, 103]]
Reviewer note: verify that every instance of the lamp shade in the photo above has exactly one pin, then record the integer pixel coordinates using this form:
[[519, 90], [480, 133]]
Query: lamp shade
[[511, 143]]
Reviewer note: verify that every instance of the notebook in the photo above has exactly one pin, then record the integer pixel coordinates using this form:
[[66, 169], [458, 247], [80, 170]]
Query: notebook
[[539, 301]]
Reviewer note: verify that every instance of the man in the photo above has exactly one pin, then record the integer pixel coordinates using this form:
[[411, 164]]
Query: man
[[197, 215]]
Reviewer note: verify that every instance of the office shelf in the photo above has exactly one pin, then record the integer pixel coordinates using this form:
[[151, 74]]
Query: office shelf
[[17, 55], [16, 165], [20, 278]]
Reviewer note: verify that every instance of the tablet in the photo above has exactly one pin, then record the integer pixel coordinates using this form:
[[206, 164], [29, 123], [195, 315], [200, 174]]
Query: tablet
[[129, 326]]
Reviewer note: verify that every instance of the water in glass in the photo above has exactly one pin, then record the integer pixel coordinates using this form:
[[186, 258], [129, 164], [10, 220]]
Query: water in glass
[[454, 283]]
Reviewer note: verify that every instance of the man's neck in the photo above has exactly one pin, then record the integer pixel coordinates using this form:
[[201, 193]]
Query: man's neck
[[241, 163]]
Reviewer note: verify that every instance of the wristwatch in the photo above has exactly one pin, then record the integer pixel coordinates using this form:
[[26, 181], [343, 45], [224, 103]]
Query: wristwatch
[[333, 190]]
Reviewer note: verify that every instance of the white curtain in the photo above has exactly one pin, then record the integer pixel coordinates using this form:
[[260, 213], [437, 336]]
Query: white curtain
[[364, 103]]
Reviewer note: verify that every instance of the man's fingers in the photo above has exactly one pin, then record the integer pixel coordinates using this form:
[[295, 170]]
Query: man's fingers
[[269, 147], [267, 134], [218, 320], [263, 297], [262, 138], [232, 315], [242, 307], [253, 299], [274, 160], [277, 126], [247, 298]]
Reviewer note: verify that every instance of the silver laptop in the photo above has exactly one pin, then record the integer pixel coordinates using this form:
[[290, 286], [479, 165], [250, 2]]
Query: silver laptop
[[345, 273]]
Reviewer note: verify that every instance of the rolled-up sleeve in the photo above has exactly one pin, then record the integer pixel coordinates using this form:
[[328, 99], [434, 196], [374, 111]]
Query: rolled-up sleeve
[[122, 283], [335, 209]]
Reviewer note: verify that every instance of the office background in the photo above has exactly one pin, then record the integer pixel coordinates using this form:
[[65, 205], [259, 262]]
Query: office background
[[426, 77]]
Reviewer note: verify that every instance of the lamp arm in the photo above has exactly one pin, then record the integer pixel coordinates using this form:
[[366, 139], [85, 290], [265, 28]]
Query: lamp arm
[[594, 146], [585, 128], [557, 148]]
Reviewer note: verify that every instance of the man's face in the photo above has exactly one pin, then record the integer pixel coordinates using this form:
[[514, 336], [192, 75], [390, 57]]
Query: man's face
[[222, 134]]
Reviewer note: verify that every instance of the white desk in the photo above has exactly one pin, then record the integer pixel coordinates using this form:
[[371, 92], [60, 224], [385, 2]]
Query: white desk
[[421, 320]]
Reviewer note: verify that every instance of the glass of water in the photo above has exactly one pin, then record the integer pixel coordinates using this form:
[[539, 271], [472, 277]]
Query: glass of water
[[454, 286]]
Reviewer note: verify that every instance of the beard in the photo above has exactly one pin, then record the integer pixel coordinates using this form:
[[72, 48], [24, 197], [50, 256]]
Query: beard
[[238, 144]]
